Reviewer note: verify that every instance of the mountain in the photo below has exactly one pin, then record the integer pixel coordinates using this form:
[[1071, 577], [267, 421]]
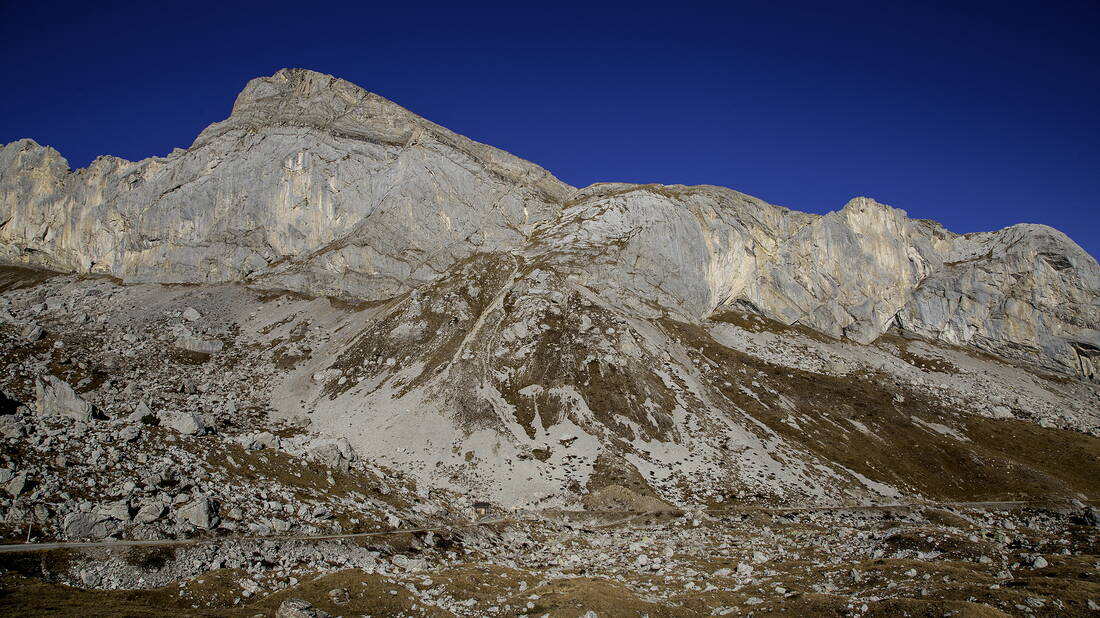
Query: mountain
[[462, 316]]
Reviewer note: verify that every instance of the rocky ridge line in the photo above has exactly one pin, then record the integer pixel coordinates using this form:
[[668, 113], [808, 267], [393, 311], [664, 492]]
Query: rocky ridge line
[[316, 185]]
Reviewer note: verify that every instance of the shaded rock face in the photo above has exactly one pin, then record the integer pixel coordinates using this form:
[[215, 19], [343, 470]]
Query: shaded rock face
[[316, 185]]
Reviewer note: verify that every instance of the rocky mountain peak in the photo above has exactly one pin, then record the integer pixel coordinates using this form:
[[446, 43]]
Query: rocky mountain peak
[[307, 99], [389, 327], [316, 185]]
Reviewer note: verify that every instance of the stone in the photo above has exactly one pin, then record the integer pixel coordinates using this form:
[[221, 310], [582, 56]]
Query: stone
[[119, 510], [339, 596], [249, 587], [409, 564], [15, 484], [89, 578], [299, 608], [262, 440], [57, 398], [1039, 563], [33, 332], [11, 427], [191, 315], [330, 454], [187, 423], [141, 410], [200, 513], [199, 344], [88, 525]]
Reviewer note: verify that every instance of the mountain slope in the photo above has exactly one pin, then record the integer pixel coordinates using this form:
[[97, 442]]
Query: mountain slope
[[502, 332]]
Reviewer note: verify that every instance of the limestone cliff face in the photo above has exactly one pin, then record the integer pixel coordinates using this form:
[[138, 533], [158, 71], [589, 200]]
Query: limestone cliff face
[[1026, 292], [314, 184]]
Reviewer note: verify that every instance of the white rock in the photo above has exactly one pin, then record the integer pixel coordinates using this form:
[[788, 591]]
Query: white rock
[[57, 398], [149, 513], [199, 513], [184, 422]]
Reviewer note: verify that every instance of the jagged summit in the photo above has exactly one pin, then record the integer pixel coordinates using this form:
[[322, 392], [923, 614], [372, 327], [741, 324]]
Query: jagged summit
[[304, 98]]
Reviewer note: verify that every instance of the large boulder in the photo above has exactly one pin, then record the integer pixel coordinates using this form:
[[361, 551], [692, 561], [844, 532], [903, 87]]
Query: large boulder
[[187, 423], [57, 398], [334, 453], [200, 513], [118, 511], [192, 343], [82, 525], [149, 513]]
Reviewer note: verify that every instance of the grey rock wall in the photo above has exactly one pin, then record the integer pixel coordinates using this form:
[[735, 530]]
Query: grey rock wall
[[316, 185]]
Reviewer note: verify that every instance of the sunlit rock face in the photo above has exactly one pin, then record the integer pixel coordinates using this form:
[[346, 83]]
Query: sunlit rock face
[[312, 183], [316, 185]]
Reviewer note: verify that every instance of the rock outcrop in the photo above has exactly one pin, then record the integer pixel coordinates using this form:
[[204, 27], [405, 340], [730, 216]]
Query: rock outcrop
[[316, 185]]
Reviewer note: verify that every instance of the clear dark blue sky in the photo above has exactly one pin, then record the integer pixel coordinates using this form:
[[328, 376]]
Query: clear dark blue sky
[[977, 115]]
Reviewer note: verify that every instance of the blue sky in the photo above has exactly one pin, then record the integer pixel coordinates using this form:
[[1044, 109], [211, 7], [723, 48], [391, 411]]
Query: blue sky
[[977, 115]]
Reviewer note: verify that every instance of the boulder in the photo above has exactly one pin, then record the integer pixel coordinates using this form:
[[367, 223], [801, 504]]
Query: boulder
[[200, 513], [119, 511], [33, 332], [187, 423], [56, 398], [199, 344], [141, 410], [259, 441], [88, 525], [16, 484], [149, 513], [334, 453], [299, 608], [339, 596], [11, 427]]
